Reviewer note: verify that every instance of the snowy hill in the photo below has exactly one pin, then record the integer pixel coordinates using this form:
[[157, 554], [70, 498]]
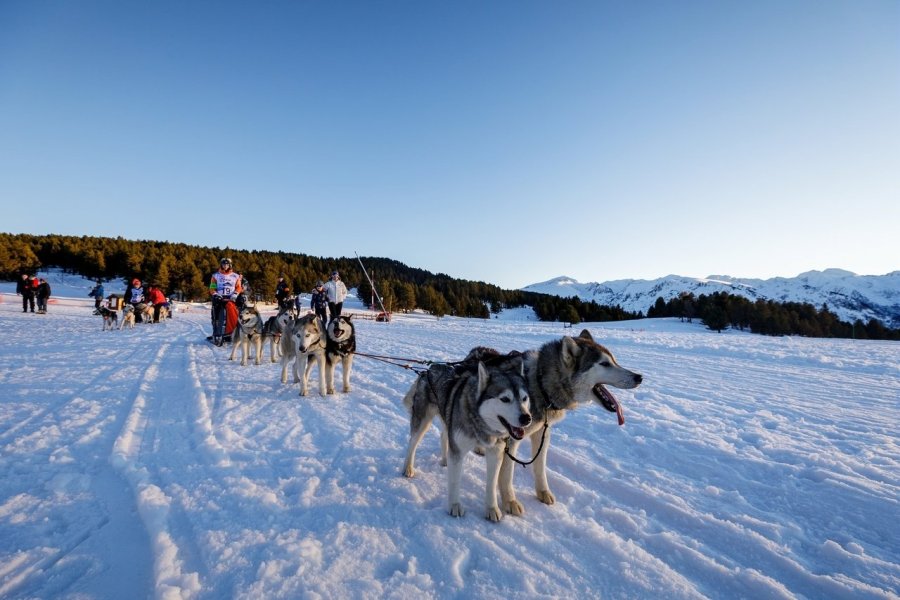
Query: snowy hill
[[848, 295], [142, 463]]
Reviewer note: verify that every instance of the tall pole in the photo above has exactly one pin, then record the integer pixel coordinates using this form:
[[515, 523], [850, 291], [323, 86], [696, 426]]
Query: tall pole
[[380, 303]]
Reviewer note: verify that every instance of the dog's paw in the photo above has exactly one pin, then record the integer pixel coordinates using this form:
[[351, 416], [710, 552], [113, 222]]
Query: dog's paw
[[493, 514], [347, 389], [478, 450], [328, 392], [409, 471], [456, 510], [546, 496], [443, 462], [515, 508]]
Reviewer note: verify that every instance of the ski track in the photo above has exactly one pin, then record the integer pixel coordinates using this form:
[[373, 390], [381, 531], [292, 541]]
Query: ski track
[[241, 488]]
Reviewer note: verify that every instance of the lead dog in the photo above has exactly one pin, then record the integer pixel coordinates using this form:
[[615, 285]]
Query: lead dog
[[249, 330], [304, 342], [561, 375], [340, 345], [481, 403], [110, 318]]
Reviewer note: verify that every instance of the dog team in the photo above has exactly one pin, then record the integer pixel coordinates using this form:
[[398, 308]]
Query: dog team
[[137, 305], [487, 403]]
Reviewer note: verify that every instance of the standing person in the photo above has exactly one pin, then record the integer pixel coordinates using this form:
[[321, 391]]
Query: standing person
[[336, 292], [97, 295], [158, 299], [24, 287], [134, 296], [224, 288], [282, 291], [319, 303], [43, 294]]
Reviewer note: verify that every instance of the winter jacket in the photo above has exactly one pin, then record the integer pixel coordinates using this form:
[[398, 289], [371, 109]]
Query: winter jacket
[[336, 290], [156, 297], [43, 290], [97, 292], [319, 301]]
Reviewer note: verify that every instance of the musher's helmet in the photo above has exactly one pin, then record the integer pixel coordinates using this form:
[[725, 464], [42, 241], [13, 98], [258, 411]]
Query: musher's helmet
[[225, 263]]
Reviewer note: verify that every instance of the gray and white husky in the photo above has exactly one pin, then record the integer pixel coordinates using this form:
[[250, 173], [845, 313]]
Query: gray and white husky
[[303, 343], [275, 326], [561, 375], [481, 403], [340, 345], [249, 330]]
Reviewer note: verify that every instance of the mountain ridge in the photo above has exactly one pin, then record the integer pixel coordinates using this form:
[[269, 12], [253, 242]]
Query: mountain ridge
[[848, 295]]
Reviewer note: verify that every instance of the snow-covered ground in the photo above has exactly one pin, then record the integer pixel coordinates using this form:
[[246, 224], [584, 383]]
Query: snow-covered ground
[[142, 463]]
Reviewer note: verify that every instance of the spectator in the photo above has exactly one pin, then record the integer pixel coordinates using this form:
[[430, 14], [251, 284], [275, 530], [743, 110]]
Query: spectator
[[319, 303], [282, 293], [336, 292], [97, 295], [26, 289], [43, 294]]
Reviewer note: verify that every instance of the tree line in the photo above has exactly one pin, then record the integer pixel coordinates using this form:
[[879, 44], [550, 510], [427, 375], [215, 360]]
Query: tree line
[[721, 310], [184, 270]]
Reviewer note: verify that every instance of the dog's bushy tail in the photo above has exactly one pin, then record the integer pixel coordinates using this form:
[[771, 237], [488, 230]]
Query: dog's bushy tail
[[410, 396]]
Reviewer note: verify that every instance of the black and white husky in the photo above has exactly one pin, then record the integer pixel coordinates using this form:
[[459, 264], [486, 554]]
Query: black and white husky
[[481, 403], [340, 345], [249, 330]]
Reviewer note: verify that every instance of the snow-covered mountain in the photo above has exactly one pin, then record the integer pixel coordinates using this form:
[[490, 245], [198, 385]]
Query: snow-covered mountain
[[847, 294]]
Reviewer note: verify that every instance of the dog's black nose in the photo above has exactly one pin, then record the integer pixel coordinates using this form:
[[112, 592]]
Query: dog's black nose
[[638, 378], [525, 420]]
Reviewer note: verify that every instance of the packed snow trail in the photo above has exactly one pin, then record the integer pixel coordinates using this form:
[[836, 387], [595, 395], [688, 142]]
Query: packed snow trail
[[144, 463]]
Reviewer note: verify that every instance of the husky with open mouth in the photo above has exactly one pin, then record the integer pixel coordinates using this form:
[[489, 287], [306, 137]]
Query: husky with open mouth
[[482, 401]]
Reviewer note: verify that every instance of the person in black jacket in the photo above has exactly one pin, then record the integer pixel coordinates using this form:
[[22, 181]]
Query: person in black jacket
[[26, 288], [282, 293], [43, 294]]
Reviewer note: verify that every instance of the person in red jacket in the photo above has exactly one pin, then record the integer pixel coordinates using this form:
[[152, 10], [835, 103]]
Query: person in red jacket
[[156, 297]]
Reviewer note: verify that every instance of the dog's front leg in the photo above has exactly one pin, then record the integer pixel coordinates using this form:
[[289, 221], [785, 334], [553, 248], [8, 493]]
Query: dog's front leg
[[541, 487], [346, 367], [493, 457], [507, 492], [454, 476], [329, 375], [320, 359], [258, 344], [234, 347], [304, 380]]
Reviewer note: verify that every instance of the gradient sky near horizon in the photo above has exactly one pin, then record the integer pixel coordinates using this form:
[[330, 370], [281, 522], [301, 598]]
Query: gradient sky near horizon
[[507, 142]]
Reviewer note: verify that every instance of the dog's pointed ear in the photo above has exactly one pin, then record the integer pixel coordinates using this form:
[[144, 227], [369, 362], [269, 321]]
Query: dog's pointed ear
[[520, 364], [482, 378], [569, 352], [586, 335]]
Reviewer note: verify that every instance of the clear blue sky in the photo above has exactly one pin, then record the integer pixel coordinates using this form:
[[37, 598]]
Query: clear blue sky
[[507, 142]]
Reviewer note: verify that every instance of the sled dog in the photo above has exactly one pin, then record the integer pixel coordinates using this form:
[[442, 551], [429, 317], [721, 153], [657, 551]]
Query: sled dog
[[146, 312], [304, 342], [340, 344], [127, 317], [110, 318], [481, 403], [561, 375], [249, 330], [274, 327]]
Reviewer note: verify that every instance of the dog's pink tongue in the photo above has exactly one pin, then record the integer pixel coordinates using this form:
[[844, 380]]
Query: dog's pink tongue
[[620, 413]]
